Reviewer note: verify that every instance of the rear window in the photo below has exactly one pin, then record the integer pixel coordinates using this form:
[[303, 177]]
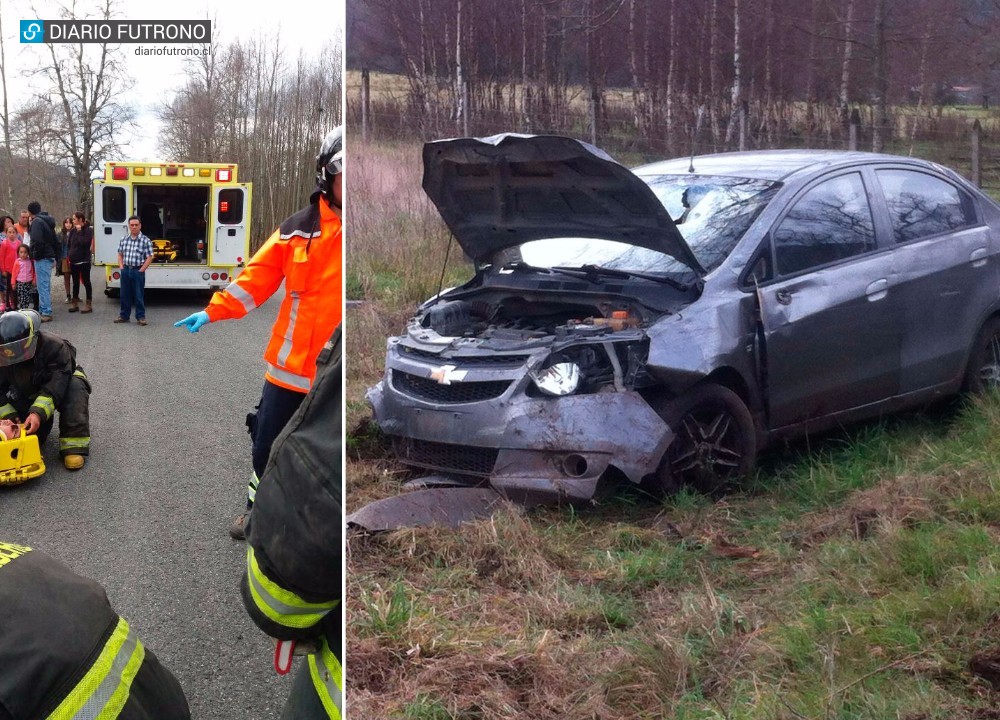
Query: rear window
[[922, 205], [231, 206], [113, 204]]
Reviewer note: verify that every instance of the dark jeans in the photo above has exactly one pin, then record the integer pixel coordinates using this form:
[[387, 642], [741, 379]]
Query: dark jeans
[[276, 407], [81, 271], [133, 286]]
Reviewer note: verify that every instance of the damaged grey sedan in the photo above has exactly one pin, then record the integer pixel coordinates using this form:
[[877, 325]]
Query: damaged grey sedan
[[664, 324]]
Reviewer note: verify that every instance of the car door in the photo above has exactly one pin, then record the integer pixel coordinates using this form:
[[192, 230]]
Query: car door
[[831, 338], [946, 273]]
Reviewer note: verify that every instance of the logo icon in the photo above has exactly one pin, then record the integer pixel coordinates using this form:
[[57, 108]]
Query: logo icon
[[32, 31], [447, 374]]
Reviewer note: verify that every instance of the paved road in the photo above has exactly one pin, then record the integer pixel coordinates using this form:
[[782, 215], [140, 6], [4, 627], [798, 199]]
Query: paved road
[[148, 516]]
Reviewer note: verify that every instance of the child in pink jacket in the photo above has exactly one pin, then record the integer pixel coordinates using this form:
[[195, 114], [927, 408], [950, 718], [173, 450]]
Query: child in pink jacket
[[8, 254], [23, 276]]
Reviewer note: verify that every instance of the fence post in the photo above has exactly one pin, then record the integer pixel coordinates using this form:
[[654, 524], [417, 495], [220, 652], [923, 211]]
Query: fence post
[[977, 177], [365, 104], [744, 112], [852, 139], [465, 108]]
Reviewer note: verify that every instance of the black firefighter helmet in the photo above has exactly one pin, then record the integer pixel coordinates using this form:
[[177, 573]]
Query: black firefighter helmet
[[18, 336]]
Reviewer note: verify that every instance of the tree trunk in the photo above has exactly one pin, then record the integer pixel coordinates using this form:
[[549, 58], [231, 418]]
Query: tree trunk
[[881, 124], [845, 67]]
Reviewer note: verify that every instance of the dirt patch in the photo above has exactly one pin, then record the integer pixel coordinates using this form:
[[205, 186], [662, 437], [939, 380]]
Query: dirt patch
[[899, 501], [986, 665]]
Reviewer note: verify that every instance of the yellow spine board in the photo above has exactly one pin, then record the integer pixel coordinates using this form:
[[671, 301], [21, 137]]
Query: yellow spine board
[[20, 459]]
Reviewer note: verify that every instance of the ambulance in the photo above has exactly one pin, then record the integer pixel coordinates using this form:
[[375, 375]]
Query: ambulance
[[197, 216]]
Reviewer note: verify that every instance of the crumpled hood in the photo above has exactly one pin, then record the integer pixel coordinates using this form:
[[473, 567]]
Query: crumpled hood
[[499, 192]]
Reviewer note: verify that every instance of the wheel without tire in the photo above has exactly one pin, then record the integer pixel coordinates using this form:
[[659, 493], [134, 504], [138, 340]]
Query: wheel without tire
[[983, 371], [715, 441]]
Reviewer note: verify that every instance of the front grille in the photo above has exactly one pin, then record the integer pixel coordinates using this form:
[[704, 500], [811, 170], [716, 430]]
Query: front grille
[[458, 459], [466, 360], [458, 392]]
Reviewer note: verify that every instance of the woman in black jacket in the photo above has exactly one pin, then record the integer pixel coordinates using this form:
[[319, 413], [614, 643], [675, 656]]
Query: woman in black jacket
[[81, 246]]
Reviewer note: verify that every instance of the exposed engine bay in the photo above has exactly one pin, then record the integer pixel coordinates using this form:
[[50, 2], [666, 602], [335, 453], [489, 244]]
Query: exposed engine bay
[[516, 318]]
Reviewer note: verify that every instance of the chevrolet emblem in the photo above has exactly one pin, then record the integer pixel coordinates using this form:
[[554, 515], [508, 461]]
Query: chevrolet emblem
[[445, 374]]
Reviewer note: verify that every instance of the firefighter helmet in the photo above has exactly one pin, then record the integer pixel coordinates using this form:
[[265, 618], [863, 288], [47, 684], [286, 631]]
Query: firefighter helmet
[[18, 336], [330, 161]]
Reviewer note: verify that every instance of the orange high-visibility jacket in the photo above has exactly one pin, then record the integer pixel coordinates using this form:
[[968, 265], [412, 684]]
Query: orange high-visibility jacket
[[305, 252]]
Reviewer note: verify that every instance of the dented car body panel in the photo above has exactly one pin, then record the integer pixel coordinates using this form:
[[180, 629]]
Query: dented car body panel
[[825, 287]]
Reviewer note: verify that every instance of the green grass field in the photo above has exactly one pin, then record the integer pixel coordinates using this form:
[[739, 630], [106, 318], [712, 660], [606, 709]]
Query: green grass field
[[854, 578]]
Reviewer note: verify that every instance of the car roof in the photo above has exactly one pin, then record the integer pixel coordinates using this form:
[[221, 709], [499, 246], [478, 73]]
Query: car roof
[[769, 164]]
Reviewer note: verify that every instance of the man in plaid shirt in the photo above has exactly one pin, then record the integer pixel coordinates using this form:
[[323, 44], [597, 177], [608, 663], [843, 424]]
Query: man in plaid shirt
[[135, 252]]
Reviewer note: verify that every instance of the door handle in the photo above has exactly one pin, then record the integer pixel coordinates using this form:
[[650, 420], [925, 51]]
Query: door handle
[[979, 256], [877, 290], [784, 297]]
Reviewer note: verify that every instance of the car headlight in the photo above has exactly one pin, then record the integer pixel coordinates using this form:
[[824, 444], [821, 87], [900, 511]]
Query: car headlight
[[559, 379]]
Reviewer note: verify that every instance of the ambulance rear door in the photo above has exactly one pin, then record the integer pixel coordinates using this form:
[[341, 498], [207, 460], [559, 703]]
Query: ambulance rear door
[[230, 219], [112, 206]]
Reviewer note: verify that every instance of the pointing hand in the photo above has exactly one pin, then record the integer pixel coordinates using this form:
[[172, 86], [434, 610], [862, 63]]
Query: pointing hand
[[193, 322]]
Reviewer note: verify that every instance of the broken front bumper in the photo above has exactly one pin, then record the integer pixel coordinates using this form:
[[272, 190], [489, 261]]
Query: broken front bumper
[[528, 449]]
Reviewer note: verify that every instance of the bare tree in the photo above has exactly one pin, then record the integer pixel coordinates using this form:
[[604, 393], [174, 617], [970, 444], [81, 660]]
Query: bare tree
[[87, 80]]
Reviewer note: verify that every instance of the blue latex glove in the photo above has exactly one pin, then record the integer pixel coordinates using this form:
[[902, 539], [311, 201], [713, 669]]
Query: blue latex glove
[[193, 322]]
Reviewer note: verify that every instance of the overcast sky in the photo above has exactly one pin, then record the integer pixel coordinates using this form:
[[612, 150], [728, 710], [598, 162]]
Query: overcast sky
[[301, 25]]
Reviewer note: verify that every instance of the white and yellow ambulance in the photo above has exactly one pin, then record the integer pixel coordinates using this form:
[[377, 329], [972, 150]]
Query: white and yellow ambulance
[[196, 214]]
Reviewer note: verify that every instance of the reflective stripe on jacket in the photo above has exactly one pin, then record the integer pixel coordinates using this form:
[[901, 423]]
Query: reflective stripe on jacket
[[66, 654], [305, 253]]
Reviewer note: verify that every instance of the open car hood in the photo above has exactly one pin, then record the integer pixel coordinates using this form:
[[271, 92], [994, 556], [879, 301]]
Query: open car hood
[[499, 192]]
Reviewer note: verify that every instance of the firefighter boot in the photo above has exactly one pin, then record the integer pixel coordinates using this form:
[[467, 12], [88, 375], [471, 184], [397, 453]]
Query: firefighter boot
[[74, 305], [74, 462], [87, 308]]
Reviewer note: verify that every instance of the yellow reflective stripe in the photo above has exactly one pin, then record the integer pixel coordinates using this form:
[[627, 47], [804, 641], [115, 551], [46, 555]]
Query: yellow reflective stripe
[[10, 551], [103, 691], [327, 678], [112, 709], [72, 442], [79, 373], [280, 605], [7, 410], [45, 404], [252, 486]]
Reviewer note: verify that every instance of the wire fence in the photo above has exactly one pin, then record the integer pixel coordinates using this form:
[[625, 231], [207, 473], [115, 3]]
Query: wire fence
[[945, 135]]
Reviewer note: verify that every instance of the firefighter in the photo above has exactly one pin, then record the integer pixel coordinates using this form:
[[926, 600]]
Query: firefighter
[[39, 375], [292, 586], [66, 653], [305, 254]]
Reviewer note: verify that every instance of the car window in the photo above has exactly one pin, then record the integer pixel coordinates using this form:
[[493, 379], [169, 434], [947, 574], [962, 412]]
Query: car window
[[832, 221], [711, 213], [921, 205]]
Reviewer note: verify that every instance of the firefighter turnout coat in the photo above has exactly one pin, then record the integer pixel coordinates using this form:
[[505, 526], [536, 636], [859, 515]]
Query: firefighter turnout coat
[[293, 582], [50, 381], [305, 253], [66, 655]]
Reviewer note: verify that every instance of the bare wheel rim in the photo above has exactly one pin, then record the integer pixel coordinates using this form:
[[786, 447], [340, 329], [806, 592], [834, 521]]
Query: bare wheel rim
[[989, 371], [708, 447]]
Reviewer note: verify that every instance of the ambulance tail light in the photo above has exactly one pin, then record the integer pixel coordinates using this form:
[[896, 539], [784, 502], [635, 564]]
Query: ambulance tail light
[[223, 175], [205, 276], [119, 173], [116, 275], [215, 276], [172, 171], [239, 260], [223, 276]]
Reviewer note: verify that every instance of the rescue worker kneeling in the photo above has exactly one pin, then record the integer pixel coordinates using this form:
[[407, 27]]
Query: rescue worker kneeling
[[66, 654], [39, 375]]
